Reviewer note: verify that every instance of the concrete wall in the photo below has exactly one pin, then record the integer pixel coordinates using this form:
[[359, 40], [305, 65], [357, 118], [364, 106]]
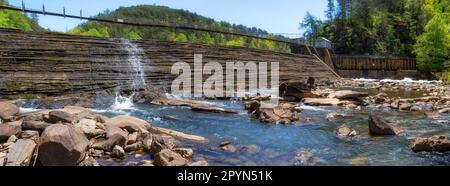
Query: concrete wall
[[57, 64]]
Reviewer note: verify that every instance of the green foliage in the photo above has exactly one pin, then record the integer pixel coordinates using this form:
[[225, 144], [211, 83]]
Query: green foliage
[[18, 20], [433, 46], [312, 25], [374, 27], [166, 16], [408, 28], [133, 35]]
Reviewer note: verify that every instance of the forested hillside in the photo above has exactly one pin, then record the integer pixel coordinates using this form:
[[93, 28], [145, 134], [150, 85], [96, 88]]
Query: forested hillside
[[165, 15], [408, 28], [17, 20]]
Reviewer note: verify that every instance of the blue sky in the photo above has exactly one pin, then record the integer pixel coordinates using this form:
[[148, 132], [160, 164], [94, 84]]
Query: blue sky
[[275, 16]]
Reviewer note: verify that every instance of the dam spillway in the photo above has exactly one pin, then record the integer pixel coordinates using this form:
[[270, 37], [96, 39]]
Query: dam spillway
[[55, 64]]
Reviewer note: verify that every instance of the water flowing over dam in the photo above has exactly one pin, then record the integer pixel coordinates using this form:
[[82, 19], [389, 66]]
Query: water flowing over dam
[[54, 64], [135, 57]]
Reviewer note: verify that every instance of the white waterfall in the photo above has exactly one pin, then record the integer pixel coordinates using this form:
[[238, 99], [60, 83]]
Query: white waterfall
[[134, 59]]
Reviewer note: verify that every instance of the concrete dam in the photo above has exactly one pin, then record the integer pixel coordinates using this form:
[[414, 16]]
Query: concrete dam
[[54, 64]]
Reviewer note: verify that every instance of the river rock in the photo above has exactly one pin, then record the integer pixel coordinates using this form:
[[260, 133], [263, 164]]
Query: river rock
[[30, 134], [134, 147], [193, 104], [208, 108], [185, 152], [110, 143], [113, 130], [161, 142], [379, 126], [15, 123], [395, 104], [7, 131], [147, 142], [200, 163], [169, 158], [117, 152], [344, 131], [7, 110], [89, 162], [90, 128], [415, 109], [227, 146], [435, 143], [132, 138], [129, 123], [77, 113], [62, 145], [250, 149], [2, 158], [60, 116], [348, 94], [284, 113], [304, 157], [380, 98], [444, 110], [297, 89], [35, 125], [334, 115], [12, 139], [326, 102], [177, 134], [20, 153], [404, 106]]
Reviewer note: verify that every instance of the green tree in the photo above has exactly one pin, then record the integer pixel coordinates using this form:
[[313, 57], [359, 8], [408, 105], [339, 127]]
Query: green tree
[[312, 25], [331, 9], [433, 46]]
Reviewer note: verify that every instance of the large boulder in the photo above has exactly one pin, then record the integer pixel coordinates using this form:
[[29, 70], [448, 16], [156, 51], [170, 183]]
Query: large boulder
[[60, 116], [297, 89], [161, 142], [193, 104], [347, 94], [90, 128], [284, 113], [378, 126], [62, 145], [167, 157], [20, 153], [129, 123], [7, 131], [435, 143], [77, 113], [177, 134], [113, 130], [7, 110], [35, 125]]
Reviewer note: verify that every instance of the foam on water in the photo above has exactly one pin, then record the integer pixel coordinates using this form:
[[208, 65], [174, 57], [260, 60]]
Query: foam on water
[[28, 110], [123, 103], [307, 107], [404, 80]]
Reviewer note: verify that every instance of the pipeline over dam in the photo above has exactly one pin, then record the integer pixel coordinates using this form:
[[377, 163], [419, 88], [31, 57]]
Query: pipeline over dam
[[55, 64]]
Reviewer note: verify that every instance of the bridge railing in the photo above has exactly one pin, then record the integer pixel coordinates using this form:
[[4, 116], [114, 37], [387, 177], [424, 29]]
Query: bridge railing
[[345, 62]]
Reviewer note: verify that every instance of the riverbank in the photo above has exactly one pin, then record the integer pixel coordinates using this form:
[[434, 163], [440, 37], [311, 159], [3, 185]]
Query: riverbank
[[330, 134]]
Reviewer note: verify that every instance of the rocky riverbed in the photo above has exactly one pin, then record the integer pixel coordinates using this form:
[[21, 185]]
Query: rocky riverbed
[[347, 122]]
